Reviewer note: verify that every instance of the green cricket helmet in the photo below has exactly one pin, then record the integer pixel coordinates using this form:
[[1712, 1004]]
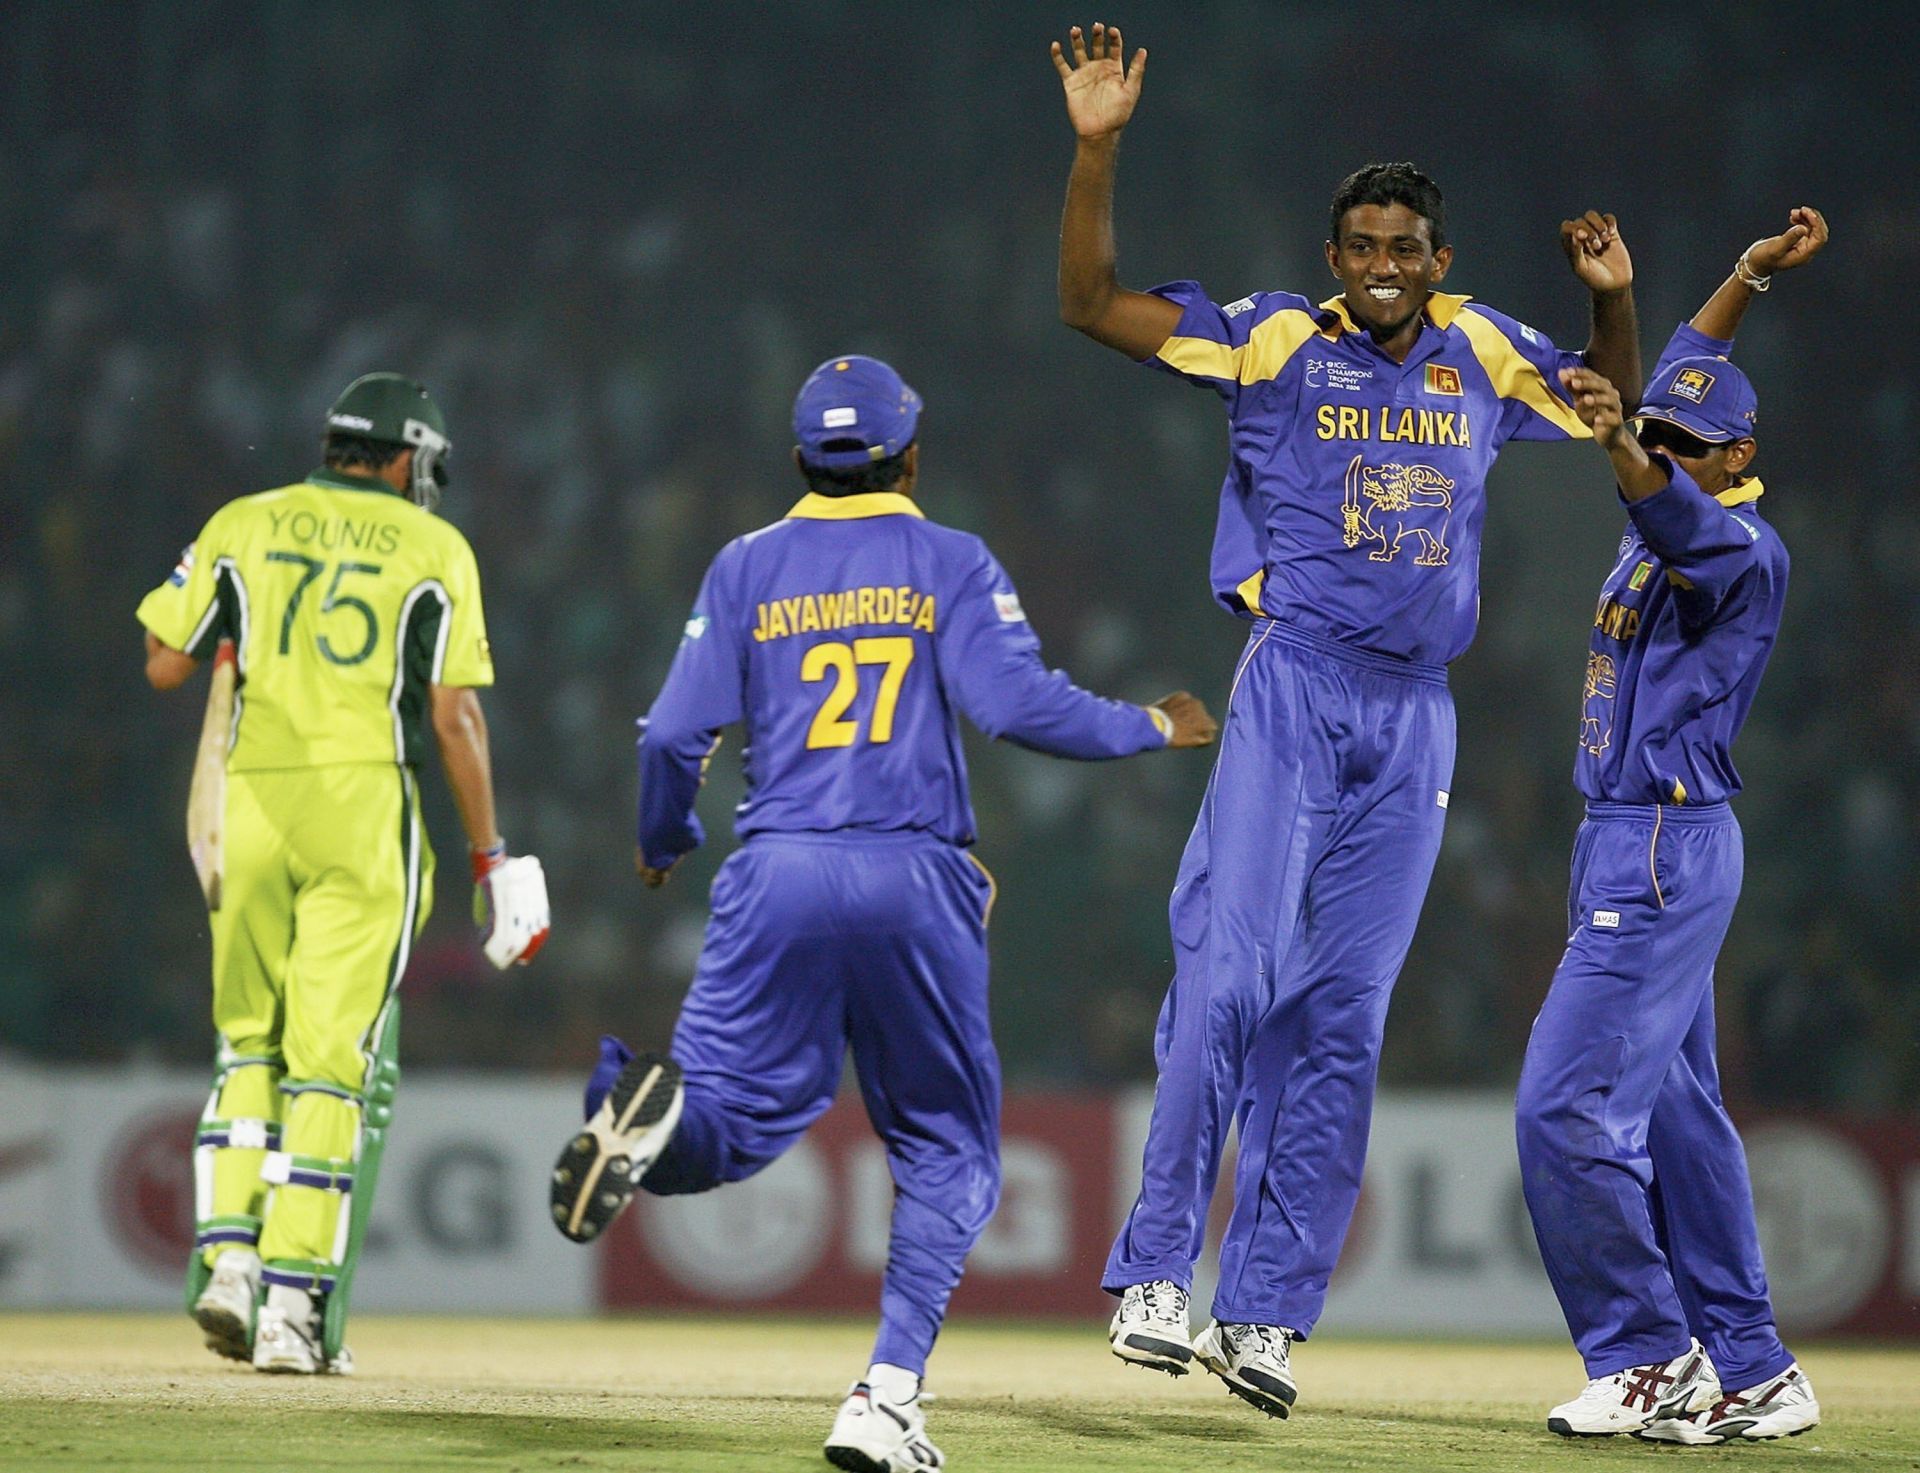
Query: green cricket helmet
[[398, 411]]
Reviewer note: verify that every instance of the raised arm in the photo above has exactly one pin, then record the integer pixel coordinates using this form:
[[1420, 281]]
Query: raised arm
[[1599, 406], [1100, 99], [1798, 244], [1599, 258]]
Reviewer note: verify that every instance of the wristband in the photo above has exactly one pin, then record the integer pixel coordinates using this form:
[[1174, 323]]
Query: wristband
[[1162, 722], [1747, 276], [485, 861]]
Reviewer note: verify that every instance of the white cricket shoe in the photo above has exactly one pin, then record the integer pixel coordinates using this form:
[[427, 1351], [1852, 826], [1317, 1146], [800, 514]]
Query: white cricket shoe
[[602, 1164], [224, 1309], [1634, 1399], [287, 1338], [1254, 1361], [1150, 1327], [1782, 1407], [876, 1434]]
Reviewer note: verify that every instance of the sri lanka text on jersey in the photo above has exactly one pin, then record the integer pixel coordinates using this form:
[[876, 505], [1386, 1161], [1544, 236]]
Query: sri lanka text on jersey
[[1414, 426]]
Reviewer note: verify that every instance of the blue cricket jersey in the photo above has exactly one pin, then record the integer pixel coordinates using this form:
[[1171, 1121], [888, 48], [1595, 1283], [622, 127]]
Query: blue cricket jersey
[[848, 637], [1681, 636], [1354, 500]]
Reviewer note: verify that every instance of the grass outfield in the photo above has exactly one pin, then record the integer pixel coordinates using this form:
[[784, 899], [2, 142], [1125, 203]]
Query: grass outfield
[[135, 1391]]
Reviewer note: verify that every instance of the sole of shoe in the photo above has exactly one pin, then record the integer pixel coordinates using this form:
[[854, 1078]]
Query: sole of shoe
[[1266, 1394], [1152, 1352], [595, 1177], [853, 1460], [1560, 1426], [226, 1332]]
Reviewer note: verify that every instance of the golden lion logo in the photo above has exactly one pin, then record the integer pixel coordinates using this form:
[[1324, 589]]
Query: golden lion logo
[[1395, 494], [1596, 712]]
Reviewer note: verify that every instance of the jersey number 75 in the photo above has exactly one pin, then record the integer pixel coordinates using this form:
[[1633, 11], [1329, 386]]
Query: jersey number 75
[[839, 663]]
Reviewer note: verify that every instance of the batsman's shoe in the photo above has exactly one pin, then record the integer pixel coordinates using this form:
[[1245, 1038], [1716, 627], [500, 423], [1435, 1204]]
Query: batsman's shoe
[[1782, 1407], [225, 1307], [1150, 1327], [283, 1345], [1634, 1399], [876, 1434], [602, 1165], [1254, 1361]]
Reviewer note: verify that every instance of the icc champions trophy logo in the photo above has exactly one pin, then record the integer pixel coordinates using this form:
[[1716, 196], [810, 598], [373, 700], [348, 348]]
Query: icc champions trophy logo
[[1383, 503]]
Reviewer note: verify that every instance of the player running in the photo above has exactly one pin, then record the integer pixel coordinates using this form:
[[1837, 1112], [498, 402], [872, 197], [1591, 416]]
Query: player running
[[356, 623], [847, 637], [1362, 430], [1634, 1175]]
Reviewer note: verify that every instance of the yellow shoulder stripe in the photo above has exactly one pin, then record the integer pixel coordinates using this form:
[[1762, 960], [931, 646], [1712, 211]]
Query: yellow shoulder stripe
[[1265, 353], [1514, 377]]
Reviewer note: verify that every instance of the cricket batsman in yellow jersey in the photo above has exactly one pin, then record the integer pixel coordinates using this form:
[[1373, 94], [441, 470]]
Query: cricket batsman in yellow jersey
[[356, 622]]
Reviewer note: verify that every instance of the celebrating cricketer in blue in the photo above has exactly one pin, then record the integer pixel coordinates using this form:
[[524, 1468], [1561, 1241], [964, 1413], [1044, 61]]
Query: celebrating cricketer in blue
[[1633, 1173], [848, 637], [1361, 432]]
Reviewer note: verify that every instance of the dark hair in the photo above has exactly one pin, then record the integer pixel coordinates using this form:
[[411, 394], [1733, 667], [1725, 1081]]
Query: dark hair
[[855, 480], [354, 452], [1391, 184]]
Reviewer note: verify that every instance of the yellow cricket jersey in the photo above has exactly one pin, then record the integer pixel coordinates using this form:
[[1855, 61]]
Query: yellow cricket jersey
[[344, 601]]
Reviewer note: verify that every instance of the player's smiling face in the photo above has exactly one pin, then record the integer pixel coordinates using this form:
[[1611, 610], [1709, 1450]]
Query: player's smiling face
[[1386, 260]]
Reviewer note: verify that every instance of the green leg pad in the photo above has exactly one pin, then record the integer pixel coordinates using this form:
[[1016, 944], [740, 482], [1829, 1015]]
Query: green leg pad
[[382, 1084]]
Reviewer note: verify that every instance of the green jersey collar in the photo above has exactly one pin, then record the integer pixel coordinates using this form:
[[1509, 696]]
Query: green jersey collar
[[346, 481]]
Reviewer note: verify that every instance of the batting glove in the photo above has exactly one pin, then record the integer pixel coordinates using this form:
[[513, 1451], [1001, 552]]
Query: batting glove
[[510, 905]]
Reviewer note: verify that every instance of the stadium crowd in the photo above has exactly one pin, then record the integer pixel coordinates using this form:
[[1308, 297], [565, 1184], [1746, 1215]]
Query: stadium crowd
[[613, 263]]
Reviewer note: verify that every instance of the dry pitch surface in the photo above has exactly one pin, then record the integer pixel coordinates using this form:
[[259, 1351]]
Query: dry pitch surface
[[136, 1392]]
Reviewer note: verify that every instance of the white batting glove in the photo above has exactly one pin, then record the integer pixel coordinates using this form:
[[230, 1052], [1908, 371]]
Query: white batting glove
[[510, 905]]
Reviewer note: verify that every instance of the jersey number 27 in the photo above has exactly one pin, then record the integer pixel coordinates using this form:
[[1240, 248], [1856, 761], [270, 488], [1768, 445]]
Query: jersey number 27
[[839, 663]]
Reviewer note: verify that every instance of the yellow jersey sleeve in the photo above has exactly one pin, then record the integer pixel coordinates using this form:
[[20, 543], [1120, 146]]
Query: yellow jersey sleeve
[[186, 612], [467, 658]]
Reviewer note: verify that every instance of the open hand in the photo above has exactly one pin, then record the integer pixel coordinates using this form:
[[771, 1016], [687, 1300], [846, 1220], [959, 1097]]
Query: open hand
[[1596, 252], [1193, 724], [1597, 402], [1100, 93], [1798, 244]]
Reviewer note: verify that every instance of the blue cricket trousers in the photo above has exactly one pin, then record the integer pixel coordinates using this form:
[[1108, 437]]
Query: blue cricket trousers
[[1292, 913], [818, 941], [1634, 1175]]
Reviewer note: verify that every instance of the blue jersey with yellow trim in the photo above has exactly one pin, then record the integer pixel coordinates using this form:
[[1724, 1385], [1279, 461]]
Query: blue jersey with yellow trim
[[1681, 635], [1353, 504], [848, 636]]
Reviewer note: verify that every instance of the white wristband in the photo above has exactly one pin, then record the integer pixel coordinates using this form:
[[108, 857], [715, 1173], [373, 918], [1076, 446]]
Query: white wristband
[[1747, 276], [1162, 722]]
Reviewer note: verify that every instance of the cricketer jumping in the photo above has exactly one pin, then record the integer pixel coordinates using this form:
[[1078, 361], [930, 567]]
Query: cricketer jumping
[[848, 637], [1634, 1175], [356, 619], [1362, 430]]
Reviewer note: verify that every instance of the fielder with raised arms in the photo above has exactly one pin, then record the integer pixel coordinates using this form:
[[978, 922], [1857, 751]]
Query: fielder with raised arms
[[1634, 1173], [356, 622], [1362, 431], [849, 637]]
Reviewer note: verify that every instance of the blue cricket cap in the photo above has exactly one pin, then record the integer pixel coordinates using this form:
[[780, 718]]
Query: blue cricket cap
[[1707, 397], [860, 407]]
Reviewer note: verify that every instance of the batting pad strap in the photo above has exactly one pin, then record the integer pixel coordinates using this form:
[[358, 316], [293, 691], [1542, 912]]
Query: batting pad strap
[[237, 1229], [239, 1134], [229, 1063], [311, 1274], [294, 1087], [322, 1173]]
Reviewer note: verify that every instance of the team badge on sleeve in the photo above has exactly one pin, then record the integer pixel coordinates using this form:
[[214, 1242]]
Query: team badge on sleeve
[[1007, 606], [1443, 380], [183, 569], [696, 626]]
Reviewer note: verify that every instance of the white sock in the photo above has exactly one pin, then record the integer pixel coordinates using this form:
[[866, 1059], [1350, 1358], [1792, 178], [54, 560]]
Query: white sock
[[296, 1304], [896, 1383]]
